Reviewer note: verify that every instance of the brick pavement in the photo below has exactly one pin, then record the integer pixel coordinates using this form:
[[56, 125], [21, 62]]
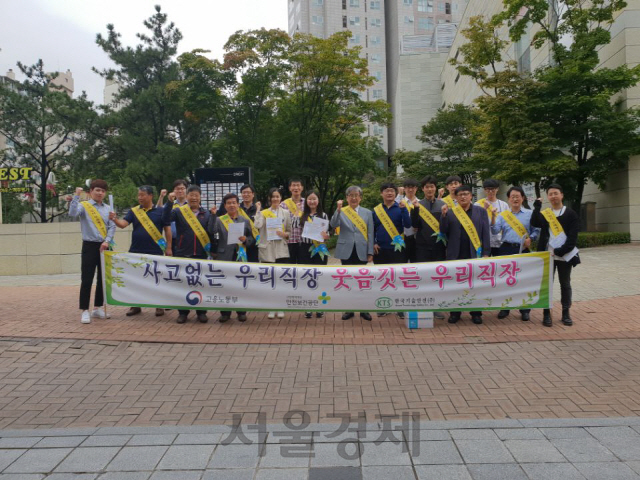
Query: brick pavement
[[56, 383]]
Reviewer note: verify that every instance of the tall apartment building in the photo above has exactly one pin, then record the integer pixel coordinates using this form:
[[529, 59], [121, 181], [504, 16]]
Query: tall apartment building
[[386, 30]]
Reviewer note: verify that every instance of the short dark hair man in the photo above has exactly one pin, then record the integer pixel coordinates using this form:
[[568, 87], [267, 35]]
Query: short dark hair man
[[295, 206]]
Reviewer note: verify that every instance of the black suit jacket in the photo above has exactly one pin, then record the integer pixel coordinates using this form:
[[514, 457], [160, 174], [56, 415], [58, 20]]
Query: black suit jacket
[[570, 224], [450, 225]]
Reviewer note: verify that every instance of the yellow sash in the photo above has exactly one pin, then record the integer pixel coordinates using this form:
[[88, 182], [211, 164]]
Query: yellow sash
[[196, 226], [293, 208], [392, 231], [449, 201], [96, 218], [357, 220], [409, 205], [554, 224], [429, 219], [267, 213], [514, 223], [149, 226], [254, 230], [482, 203], [469, 227]]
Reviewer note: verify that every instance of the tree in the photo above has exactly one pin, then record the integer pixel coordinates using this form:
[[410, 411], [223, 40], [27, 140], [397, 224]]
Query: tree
[[44, 124], [577, 98]]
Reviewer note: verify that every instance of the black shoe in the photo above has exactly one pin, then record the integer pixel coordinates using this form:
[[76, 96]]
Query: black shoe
[[365, 315], [242, 317], [347, 316], [453, 319], [382, 314], [401, 315], [319, 314], [182, 318], [477, 319], [566, 318], [202, 318], [546, 318], [307, 314], [503, 314], [222, 319], [133, 311], [525, 316]]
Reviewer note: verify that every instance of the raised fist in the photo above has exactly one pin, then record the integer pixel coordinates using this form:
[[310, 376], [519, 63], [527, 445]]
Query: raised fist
[[79, 190], [172, 196], [258, 206], [163, 192], [339, 204]]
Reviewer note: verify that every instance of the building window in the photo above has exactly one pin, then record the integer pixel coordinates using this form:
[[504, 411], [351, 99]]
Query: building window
[[375, 40], [317, 19], [354, 3], [441, 7], [354, 21], [318, 3], [425, 23], [375, 58], [344, 21], [374, 5], [378, 130], [376, 22], [408, 19], [378, 76], [447, 8], [344, 4], [377, 93], [408, 3], [425, 5], [354, 40]]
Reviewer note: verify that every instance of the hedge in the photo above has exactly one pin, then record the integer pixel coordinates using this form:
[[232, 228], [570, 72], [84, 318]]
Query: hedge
[[597, 239]]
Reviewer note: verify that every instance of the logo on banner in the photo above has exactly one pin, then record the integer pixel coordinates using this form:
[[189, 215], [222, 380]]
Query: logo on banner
[[384, 302], [324, 298], [194, 298]]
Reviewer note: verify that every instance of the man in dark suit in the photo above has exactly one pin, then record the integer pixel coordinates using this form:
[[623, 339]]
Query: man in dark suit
[[429, 248], [459, 245], [563, 245], [353, 247]]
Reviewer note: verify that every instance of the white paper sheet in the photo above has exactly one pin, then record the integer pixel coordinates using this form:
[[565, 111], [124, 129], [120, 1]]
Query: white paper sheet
[[313, 230], [236, 230], [273, 225]]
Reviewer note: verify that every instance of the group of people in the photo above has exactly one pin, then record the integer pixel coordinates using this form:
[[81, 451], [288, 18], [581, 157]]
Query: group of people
[[444, 225]]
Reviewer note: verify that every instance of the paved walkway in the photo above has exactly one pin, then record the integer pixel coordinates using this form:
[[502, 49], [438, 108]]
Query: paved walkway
[[598, 449]]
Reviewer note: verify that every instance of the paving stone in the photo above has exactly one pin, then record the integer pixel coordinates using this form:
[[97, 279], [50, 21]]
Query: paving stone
[[235, 456], [473, 434], [7, 457], [21, 476], [583, 450], [58, 442], [386, 473], [72, 476], [442, 472], [607, 470], [519, 434], [575, 432], [385, 454], [484, 451], [625, 448], [497, 472], [532, 451], [106, 441], [186, 457], [125, 476], [131, 459], [613, 433], [286, 456], [93, 459], [18, 442], [367, 436], [177, 475], [149, 440], [552, 471], [282, 474], [42, 460], [335, 473], [635, 466], [437, 452], [426, 435], [236, 474], [336, 455], [198, 439]]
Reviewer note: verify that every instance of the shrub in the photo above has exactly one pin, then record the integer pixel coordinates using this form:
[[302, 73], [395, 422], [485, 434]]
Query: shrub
[[597, 239]]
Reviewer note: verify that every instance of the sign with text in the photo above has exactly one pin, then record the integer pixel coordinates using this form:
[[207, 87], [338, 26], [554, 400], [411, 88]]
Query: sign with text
[[517, 281]]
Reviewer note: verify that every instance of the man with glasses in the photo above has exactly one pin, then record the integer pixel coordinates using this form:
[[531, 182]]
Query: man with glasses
[[492, 204]]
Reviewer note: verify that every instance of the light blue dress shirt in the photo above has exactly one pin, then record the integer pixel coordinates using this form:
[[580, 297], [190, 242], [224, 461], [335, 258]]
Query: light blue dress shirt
[[508, 234], [90, 232]]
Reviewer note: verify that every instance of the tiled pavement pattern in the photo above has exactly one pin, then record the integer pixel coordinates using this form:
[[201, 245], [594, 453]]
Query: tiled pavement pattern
[[606, 291], [598, 449], [55, 383]]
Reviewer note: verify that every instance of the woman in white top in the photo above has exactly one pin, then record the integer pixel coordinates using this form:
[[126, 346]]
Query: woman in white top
[[273, 251]]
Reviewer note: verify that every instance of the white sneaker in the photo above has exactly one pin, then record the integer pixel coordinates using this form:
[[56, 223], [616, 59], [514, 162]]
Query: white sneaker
[[271, 315], [86, 318], [280, 314], [98, 313]]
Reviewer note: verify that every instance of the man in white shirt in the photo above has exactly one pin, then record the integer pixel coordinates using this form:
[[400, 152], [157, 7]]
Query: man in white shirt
[[492, 203]]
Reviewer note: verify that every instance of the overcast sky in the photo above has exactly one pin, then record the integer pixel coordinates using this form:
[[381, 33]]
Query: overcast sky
[[63, 32]]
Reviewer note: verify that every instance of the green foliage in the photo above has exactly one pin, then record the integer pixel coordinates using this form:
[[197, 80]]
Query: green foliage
[[13, 208], [598, 239]]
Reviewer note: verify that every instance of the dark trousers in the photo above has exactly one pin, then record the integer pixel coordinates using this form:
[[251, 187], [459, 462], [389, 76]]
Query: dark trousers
[[354, 260], [294, 253], [306, 258], [511, 249], [252, 254], [410, 242], [425, 254], [564, 275], [495, 251], [385, 257], [90, 260]]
